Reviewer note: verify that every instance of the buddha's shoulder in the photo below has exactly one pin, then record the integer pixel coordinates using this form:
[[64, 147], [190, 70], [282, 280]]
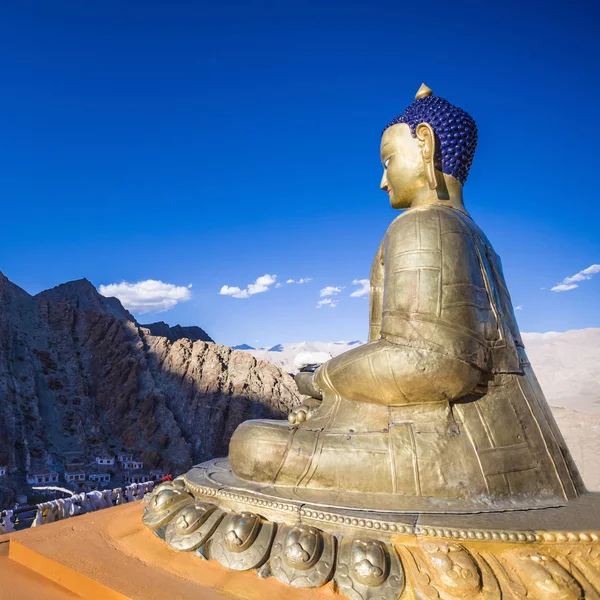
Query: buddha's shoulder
[[431, 217]]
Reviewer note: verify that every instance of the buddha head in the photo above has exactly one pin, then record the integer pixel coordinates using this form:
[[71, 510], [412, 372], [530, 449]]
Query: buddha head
[[428, 149]]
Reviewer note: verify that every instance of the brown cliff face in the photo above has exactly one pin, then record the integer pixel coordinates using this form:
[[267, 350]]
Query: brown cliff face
[[78, 374], [177, 332]]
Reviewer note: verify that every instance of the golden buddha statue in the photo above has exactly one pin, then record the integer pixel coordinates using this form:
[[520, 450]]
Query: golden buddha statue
[[441, 404], [425, 463]]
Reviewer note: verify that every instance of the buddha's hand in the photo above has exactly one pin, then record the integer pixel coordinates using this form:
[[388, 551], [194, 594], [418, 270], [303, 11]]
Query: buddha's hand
[[303, 412], [313, 397], [305, 380]]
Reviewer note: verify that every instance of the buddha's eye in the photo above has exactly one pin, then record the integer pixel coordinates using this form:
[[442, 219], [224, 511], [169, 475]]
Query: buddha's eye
[[386, 162]]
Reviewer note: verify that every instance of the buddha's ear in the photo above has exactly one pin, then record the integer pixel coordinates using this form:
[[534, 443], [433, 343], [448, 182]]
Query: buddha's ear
[[426, 138]]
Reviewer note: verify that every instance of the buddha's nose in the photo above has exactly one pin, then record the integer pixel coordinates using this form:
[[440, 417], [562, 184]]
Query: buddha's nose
[[384, 184]]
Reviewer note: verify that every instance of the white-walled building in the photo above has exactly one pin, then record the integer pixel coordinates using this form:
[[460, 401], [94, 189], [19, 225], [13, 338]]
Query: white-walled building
[[157, 475], [101, 478], [137, 478], [42, 477], [74, 476], [105, 460], [133, 465], [125, 457]]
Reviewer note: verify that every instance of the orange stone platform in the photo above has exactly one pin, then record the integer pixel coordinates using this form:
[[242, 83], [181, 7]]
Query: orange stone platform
[[110, 555]]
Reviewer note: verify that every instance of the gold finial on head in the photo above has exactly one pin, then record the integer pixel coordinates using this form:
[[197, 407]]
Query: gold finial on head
[[423, 92]]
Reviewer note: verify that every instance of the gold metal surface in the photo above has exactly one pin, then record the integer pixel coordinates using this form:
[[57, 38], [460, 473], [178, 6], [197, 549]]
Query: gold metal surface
[[390, 556], [423, 92], [303, 556], [425, 463], [242, 541], [368, 569], [193, 526], [166, 501]]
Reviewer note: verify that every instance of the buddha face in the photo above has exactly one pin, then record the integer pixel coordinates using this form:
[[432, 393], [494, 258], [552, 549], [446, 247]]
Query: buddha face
[[403, 166]]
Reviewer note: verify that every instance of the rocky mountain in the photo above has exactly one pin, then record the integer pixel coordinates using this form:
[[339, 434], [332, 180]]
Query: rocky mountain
[[79, 375], [82, 295], [177, 332]]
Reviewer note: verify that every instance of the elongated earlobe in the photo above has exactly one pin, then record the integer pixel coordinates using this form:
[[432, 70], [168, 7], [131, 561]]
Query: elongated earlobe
[[426, 138]]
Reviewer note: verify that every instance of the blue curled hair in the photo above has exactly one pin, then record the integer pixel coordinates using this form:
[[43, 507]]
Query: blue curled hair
[[455, 131]]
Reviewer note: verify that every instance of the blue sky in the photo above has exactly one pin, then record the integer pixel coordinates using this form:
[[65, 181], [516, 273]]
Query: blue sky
[[214, 143]]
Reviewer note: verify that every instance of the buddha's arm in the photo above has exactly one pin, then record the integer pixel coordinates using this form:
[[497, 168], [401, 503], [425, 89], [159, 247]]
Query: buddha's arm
[[424, 354], [376, 296]]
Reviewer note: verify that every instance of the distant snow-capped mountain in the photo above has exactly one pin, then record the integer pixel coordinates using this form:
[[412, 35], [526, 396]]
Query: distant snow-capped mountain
[[283, 355]]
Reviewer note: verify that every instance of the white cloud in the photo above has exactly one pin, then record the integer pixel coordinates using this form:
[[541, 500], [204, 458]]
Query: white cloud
[[290, 281], [570, 283], [262, 284], [278, 285], [327, 302], [330, 290], [520, 307], [147, 296], [585, 274], [300, 281], [363, 290], [236, 292], [562, 287]]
